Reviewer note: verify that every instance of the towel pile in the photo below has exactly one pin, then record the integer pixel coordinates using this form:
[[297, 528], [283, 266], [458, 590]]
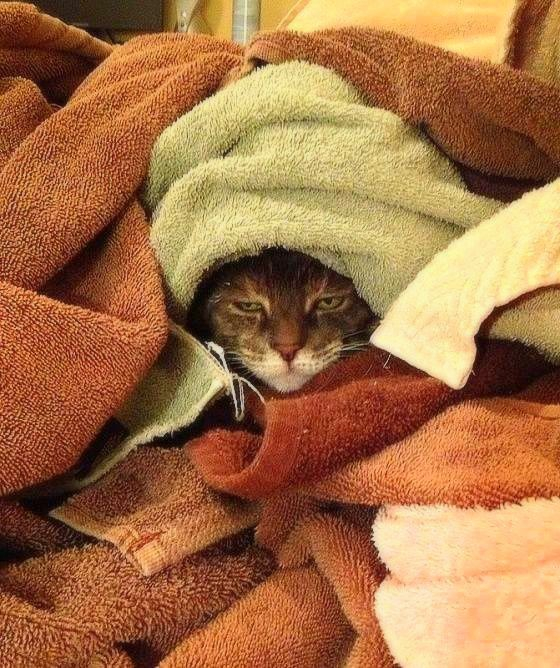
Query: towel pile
[[393, 162]]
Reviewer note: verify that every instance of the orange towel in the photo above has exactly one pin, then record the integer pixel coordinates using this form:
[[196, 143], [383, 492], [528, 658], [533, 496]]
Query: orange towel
[[351, 411], [83, 317], [81, 303]]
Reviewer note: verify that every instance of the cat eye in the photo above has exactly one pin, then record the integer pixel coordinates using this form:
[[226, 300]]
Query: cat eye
[[248, 307], [329, 303]]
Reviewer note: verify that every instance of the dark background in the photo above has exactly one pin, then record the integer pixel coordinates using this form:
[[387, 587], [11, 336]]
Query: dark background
[[107, 14]]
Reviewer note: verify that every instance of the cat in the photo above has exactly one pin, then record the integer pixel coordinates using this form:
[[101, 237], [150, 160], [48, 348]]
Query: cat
[[281, 317]]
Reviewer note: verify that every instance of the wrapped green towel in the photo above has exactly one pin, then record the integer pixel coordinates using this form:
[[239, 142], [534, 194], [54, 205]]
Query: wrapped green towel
[[290, 156]]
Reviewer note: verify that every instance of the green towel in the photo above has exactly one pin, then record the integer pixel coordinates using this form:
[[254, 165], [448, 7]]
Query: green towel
[[290, 156]]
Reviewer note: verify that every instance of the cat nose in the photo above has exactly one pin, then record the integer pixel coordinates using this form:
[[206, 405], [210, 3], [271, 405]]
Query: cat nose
[[287, 351]]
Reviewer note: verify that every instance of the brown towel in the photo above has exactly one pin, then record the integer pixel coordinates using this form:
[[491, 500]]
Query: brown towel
[[152, 506], [349, 412], [81, 303], [75, 607], [42, 49], [156, 509], [292, 619], [479, 453], [476, 112]]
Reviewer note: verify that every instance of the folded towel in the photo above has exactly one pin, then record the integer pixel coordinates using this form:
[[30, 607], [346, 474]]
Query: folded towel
[[89, 302], [350, 411], [305, 615], [22, 532], [40, 48], [81, 304], [304, 627], [156, 509], [433, 323], [476, 538], [289, 156], [481, 453]]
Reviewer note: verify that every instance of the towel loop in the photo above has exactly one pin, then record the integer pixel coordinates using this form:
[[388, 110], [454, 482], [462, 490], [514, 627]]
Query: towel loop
[[236, 382]]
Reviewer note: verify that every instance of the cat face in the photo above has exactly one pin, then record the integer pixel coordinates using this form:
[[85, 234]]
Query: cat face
[[284, 317]]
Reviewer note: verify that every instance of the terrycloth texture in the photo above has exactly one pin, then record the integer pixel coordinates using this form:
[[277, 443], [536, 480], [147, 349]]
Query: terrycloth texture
[[471, 587], [81, 303], [364, 193], [303, 627], [83, 317], [23, 532], [84, 605], [503, 141], [183, 382], [450, 567], [480, 453], [316, 610], [433, 323], [74, 607], [156, 522], [493, 135], [304, 615], [38, 48], [467, 28], [321, 601], [348, 412]]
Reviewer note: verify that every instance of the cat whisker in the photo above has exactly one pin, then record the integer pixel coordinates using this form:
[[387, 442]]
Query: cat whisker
[[356, 346], [350, 335]]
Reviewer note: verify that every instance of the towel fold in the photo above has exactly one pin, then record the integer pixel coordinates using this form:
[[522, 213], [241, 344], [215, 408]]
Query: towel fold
[[433, 323], [471, 587], [81, 303], [75, 607], [156, 522], [476, 112], [466, 479], [291, 156], [350, 411], [38, 48], [531, 38]]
